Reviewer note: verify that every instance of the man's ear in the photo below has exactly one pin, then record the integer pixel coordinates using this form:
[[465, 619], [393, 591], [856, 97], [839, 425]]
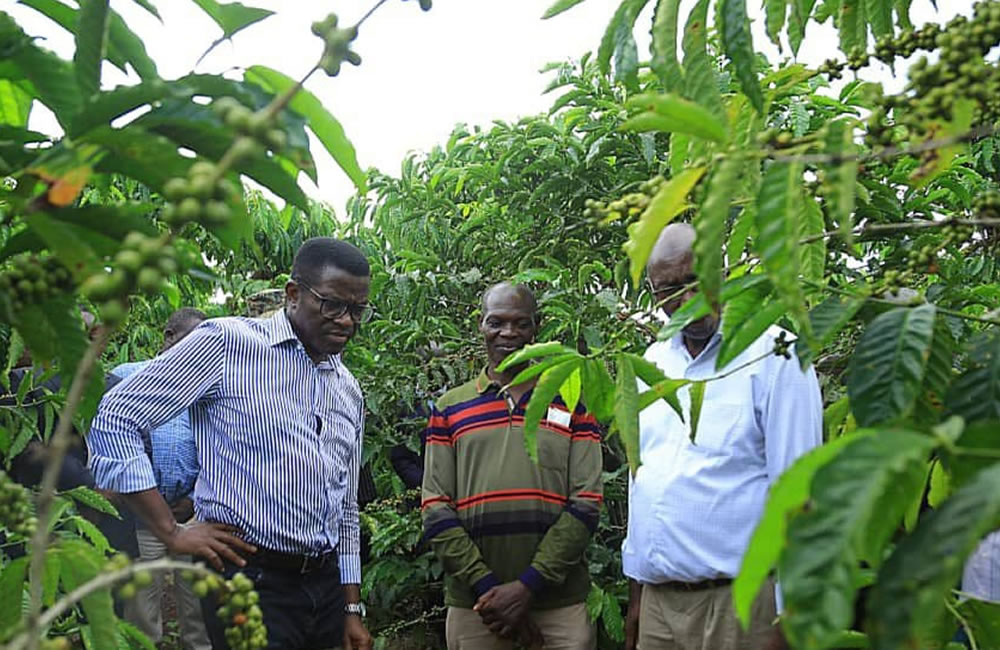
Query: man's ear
[[291, 292]]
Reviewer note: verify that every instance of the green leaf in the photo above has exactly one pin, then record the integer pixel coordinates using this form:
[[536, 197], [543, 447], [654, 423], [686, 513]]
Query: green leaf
[[738, 45], [667, 391], [150, 158], [324, 125], [888, 364], [148, 6], [91, 499], [827, 318], [975, 395], [664, 46], [15, 103], [598, 389], [81, 563], [91, 39], [710, 228], [813, 255], [132, 637], [570, 390], [534, 351], [913, 583], [671, 113], [857, 501], [801, 11], [91, 533], [852, 25], [983, 617], [778, 205], [535, 369], [697, 394], [12, 583], [618, 31], [611, 617], [879, 16], [700, 73], [231, 17], [670, 201], [940, 485], [558, 7], [541, 397], [51, 77], [758, 318], [627, 411], [841, 175], [938, 374], [775, 12], [787, 496], [961, 461], [50, 585]]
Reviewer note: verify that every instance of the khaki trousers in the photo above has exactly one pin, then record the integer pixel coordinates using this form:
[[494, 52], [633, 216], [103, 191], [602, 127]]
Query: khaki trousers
[[145, 610], [674, 619], [564, 628]]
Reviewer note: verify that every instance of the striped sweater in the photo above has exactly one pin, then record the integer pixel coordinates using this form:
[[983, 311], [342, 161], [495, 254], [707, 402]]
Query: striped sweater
[[491, 514]]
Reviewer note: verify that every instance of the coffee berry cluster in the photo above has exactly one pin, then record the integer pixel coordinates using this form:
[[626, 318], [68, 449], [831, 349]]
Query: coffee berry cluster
[[201, 197], [987, 205], [143, 262], [238, 609], [923, 259], [33, 278], [337, 44], [17, 513], [632, 204]]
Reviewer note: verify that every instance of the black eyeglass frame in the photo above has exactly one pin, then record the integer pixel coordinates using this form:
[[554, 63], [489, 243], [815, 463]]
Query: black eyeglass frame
[[360, 312]]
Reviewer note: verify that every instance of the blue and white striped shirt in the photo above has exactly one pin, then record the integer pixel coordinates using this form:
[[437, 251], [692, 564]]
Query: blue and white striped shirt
[[279, 437], [174, 454]]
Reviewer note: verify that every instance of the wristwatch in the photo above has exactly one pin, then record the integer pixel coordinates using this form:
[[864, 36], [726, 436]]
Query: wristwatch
[[358, 609]]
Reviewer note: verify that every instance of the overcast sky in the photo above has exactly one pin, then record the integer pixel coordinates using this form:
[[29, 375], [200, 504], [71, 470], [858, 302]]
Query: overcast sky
[[469, 61]]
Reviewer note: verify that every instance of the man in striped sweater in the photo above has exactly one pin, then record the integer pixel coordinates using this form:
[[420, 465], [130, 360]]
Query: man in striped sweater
[[511, 534]]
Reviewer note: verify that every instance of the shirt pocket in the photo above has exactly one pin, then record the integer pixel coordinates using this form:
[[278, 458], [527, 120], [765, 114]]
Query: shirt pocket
[[721, 425], [553, 446]]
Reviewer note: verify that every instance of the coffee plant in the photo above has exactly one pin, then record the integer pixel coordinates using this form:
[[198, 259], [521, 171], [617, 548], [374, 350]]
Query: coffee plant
[[863, 222]]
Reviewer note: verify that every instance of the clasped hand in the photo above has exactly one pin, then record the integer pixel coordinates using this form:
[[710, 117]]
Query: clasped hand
[[504, 609]]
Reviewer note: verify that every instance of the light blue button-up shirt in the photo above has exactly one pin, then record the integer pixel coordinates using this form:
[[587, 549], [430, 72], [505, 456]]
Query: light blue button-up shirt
[[174, 455], [694, 506], [279, 437]]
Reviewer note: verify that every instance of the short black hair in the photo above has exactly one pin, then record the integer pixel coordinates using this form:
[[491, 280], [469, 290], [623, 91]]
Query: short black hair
[[321, 252], [522, 290], [184, 316]]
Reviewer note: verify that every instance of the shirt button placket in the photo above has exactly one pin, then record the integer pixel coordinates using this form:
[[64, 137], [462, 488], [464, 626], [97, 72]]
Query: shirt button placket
[[327, 467]]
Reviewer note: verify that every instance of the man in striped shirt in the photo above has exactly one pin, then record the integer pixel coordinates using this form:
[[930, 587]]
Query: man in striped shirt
[[511, 534], [278, 421]]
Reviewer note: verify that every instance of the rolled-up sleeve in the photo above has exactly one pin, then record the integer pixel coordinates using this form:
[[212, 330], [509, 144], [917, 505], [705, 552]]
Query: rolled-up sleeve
[[169, 384], [349, 544]]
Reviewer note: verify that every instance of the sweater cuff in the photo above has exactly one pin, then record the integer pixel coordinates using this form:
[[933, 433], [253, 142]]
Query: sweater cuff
[[532, 579], [485, 583]]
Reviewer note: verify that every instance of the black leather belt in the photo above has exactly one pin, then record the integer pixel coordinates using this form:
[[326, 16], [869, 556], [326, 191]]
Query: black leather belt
[[291, 561], [677, 585]]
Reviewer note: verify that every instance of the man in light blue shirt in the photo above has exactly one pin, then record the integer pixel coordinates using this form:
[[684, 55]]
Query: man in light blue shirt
[[175, 465], [693, 504]]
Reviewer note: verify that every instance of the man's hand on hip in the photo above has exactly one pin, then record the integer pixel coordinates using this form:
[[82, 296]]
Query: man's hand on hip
[[504, 607], [356, 637], [214, 542]]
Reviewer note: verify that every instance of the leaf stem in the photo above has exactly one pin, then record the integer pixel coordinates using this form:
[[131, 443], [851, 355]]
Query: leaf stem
[[58, 446]]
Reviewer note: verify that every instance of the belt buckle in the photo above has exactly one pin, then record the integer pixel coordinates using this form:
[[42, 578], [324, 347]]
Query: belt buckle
[[307, 565]]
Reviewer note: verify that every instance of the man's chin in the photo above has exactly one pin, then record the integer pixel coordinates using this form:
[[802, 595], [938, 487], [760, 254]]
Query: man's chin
[[701, 330]]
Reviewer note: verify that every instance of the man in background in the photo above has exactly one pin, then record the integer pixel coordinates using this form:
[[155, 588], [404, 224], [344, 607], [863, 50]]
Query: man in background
[[174, 457]]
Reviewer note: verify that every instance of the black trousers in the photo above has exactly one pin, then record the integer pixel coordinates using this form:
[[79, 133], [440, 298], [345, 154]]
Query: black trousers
[[302, 611]]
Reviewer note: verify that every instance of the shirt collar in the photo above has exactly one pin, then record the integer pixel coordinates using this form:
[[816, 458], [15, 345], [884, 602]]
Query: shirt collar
[[677, 340], [280, 331], [484, 383]]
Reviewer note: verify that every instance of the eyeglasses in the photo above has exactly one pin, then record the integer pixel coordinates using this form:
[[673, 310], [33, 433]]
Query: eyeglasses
[[674, 291], [334, 308]]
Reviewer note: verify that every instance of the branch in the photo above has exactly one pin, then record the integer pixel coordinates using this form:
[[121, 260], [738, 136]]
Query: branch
[[888, 152], [100, 581], [878, 229], [58, 446], [894, 303]]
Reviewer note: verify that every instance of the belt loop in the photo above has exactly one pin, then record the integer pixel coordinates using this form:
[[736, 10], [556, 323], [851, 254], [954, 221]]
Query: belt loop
[[305, 565]]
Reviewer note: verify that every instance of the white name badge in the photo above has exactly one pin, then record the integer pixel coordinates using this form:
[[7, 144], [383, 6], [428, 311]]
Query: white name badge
[[558, 416]]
